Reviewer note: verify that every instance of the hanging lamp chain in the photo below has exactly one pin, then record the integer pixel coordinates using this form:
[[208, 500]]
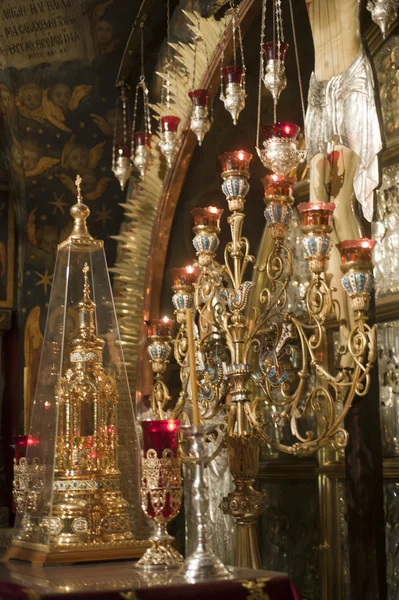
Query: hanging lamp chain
[[261, 68], [141, 86], [297, 62]]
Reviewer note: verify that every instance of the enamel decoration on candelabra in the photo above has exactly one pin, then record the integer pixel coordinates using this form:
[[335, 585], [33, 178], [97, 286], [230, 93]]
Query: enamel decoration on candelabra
[[75, 492], [232, 77], [121, 162]]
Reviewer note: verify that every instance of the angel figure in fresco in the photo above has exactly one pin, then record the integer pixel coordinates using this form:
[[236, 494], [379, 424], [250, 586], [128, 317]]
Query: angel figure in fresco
[[113, 119], [77, 159], [103, 29], [59, 99], [26, 159], [42, 243], [7, 102], [29, 102], [33, 340]]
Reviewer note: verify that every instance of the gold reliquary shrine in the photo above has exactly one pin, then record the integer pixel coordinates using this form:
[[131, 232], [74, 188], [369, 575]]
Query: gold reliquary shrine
[[76, 488]]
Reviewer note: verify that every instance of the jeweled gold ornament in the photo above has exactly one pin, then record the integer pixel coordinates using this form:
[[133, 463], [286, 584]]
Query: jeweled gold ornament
[[76, 490]]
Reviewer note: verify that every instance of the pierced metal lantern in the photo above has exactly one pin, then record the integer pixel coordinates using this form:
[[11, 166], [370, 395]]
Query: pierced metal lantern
[[169, 143], [200, 121]]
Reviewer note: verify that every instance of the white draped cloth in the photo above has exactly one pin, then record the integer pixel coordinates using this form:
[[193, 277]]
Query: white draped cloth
[[343, 111]]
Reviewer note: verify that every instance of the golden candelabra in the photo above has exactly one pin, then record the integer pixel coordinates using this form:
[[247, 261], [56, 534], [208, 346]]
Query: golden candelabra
[[70, 497], [251, 351]]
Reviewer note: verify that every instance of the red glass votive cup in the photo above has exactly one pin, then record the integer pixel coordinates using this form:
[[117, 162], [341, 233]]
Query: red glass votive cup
[[22, 443], [281, 130], [200, 97], [159, 327], [317, 215], [142, 138], [356, 251], [233, 74], [207, 217], [277, 185], [169, 123], [235, 161], [184, 276], [271, 50], [160, 435]]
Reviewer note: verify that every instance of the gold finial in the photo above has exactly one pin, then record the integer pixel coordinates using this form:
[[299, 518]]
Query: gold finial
[[80, 213], [78, 181]]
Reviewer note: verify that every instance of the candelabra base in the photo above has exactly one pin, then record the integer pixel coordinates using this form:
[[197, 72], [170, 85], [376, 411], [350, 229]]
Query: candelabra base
[[161, 555], [203, 565]]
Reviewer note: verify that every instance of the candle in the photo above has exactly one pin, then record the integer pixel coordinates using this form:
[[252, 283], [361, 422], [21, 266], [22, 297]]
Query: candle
[[193, 373]]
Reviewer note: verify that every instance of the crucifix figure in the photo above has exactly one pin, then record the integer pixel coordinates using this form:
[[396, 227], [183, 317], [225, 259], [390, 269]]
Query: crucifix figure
[[342, 129]]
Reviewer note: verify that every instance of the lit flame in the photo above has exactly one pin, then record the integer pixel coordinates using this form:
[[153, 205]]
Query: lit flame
[[165, 320], [274, 177], [287, 129], [241, 155], [212, 209], [171, 425], [190, 269]]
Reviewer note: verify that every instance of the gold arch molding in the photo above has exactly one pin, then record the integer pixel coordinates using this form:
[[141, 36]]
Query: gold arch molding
[[150, 206]]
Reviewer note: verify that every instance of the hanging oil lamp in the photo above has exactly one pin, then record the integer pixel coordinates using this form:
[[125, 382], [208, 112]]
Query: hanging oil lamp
[[169, 136], [169, 143], [121, 162], [141, 140], [200, 121], [280, 153], [201, 98], [232, 77], [275, 78]]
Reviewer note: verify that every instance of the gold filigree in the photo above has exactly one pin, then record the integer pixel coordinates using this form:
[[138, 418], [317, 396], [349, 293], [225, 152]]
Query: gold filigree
[[256, 589]]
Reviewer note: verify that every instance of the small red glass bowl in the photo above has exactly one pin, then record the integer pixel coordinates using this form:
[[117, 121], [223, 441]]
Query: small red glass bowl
[[160, 435], [233, 73], [22, 443], [142, 138], [356, 251], [200, 97], [207, 217], [316, 216], [184, 276], [235, 161], [278, 185], [281, 130], [169, 123], [159, 327], [271, 50]]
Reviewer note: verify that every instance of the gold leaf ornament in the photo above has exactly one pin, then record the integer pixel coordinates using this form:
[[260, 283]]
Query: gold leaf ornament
[[256, 589]]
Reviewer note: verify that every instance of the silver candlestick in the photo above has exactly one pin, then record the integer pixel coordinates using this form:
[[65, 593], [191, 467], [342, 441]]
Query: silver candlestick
[[202, 564]]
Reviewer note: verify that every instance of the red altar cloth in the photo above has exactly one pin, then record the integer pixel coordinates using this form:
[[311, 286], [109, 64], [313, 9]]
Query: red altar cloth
[[277, 588]]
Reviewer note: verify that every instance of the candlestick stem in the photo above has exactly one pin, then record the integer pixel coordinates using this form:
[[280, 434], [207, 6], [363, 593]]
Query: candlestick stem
[[193, 373], [202, 563]]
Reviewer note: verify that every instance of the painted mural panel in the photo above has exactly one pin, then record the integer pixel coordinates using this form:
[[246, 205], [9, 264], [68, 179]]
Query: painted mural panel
[[36, 32], [58, 120]]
